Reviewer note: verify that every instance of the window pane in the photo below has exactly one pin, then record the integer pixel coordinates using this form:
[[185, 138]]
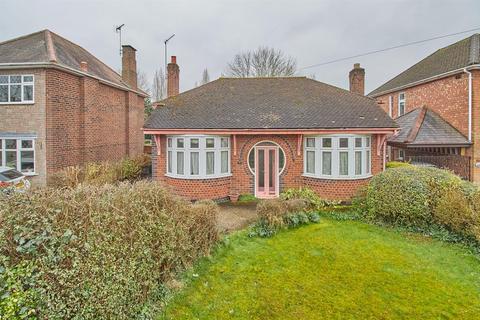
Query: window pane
[[27, 78], [15, 93], [15, 79], [27, 161], [343, 163], [26, 144], [327, 163], [343, 142], [180, 163], [251, 160], [327, 142], [1, 153], [10, 144], [180, 143], [310, 142], [281, 159], [194, 166], [28, 93], [3, 79], [194, 143], [224, 162], [358, 142], [169, 142], [169, 161], [210, 143], [224, 142], [11, 159], [368, 160], [367, 142], [210, 162], [3, 93], [310, 161], [358, 162]]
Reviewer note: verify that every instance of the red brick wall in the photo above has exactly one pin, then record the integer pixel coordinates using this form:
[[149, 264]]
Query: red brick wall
[[242, 180], [87, 121]]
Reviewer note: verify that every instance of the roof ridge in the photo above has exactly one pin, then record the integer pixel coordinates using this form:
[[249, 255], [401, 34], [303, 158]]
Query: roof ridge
[[412, 135], [189, 90], [88, 52], [52, 54], [22, 37], [258, 78], [474, 49]]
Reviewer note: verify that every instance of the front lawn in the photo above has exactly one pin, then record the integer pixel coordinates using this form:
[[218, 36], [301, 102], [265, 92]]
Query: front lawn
[[332, 270]]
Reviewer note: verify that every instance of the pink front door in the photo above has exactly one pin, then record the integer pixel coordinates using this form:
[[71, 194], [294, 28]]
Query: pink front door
[[266, 172]]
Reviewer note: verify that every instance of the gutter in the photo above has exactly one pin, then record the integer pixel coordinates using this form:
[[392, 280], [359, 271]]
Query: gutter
[[412, 84], [29, 65], [469, 104]]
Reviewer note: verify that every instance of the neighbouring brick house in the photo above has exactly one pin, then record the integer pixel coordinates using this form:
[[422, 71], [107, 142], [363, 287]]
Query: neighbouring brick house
[[60, 106], [436, 103], [259, 136]]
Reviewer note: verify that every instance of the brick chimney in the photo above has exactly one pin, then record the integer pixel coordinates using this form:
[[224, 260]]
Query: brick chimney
[[357, 79], [84, 66], [129, 66], [173, 77]]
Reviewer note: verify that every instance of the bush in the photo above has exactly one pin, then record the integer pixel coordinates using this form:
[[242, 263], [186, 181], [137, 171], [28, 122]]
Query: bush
[[128, 169], [100, 252], [277, 214], [397, 164], [310, 197]]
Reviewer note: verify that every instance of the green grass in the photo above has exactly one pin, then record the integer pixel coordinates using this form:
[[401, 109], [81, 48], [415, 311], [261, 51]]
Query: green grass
[[332, 270]]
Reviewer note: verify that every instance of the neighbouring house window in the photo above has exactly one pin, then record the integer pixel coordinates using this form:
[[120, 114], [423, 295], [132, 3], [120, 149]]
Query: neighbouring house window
[[337, 156], [401, 104], [18, 153], [16, 89], [198, 157], [390, 106], [401, 154]]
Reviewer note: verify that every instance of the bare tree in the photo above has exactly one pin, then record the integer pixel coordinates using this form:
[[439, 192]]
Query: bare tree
[[159, 86], [205, 77], [142, 82], [262, 62]]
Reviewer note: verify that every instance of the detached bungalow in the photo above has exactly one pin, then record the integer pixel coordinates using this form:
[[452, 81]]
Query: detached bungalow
[[262, 135]]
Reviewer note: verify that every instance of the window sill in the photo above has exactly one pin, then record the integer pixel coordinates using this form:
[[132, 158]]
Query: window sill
[[336, 177], [198, 177], [30, 174], [17, 103]]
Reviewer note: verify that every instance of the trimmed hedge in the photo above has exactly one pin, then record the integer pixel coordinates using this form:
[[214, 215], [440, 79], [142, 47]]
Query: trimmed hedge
[[422, 198], [97, 252]]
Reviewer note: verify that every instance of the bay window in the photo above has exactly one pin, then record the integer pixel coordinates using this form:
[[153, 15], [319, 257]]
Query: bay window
[[198, 157], [337, 156], [16, 89], [18, 153]]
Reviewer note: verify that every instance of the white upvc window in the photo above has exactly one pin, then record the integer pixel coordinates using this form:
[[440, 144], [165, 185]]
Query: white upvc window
[[198, 157], [401, 104], [390, 106], [18, 153], [16, 89], [339, 156]]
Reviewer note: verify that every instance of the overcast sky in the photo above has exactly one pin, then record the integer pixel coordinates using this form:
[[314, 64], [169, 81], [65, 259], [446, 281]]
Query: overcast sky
[[209, 33]]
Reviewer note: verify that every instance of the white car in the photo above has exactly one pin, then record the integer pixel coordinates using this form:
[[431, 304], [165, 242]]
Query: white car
[[13, 180]]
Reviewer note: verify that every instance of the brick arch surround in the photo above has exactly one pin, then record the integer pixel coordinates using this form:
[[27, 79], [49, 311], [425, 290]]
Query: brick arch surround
[[242, 180]]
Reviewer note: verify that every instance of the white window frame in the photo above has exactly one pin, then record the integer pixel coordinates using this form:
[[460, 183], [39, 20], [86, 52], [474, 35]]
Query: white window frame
[[390, 106], [22, 84], [202, 156], [403, 103], [366, 156], [18, 149]]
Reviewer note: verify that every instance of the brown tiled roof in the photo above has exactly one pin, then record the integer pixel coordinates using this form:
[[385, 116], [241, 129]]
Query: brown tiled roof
[[453, 57], [48, 47], [268, 103], [424, 127]]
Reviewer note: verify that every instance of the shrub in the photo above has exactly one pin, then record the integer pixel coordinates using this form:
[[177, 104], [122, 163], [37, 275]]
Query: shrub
[[130, 169], [312, 199], [101, 252], [397, 164], [272, 212]]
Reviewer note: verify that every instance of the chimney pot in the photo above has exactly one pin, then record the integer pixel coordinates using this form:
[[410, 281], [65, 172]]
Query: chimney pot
[[173, 77], [84, 66], [129, 66], [356, 79]]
